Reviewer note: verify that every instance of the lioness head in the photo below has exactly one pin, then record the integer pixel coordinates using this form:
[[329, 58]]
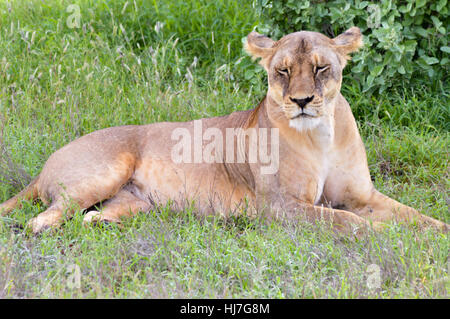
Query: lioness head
[[304, 71]]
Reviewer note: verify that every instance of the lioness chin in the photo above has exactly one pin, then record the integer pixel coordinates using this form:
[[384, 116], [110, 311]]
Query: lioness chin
[[320, 161]]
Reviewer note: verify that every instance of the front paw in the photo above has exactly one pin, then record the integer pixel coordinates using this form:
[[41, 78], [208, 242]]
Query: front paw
[[444, 227], [436, 224]]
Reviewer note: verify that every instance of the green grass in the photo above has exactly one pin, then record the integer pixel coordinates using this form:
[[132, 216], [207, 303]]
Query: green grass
[[61, 83]]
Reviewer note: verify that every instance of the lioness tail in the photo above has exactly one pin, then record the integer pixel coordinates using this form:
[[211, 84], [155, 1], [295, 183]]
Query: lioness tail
[[29, 193]]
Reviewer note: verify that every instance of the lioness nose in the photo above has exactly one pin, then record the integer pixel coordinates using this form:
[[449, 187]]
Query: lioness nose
[[302, 102]]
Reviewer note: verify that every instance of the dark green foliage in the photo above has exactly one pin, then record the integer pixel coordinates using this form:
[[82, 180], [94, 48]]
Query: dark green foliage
[[406, 42]]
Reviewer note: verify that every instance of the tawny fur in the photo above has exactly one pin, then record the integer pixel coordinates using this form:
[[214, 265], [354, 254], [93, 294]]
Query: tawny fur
[[322, 163]]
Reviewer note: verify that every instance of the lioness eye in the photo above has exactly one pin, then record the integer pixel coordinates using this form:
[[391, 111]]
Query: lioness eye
[[283, 71], [318, 69]]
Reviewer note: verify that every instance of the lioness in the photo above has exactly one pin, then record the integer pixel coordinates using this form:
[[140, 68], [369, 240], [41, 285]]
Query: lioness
[[322, 171]]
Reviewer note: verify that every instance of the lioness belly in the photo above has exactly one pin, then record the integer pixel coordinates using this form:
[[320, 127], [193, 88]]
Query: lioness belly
[[201, 186]]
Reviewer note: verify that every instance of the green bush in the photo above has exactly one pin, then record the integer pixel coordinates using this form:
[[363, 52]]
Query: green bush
[[405, 41]]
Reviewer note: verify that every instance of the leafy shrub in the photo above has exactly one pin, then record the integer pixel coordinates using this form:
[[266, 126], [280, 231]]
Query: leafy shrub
[[405, 41]]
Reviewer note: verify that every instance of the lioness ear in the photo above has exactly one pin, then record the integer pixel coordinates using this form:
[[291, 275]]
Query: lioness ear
[[348, 42], [259, 46]]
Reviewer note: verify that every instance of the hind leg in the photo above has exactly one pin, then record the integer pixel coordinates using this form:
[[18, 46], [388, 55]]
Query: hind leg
[[61, 209], [79, 186], [123, 204], [51, 218], [79, 196]]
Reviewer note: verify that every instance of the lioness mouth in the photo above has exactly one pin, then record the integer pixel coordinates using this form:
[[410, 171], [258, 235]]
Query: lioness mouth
[[305, 115]]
